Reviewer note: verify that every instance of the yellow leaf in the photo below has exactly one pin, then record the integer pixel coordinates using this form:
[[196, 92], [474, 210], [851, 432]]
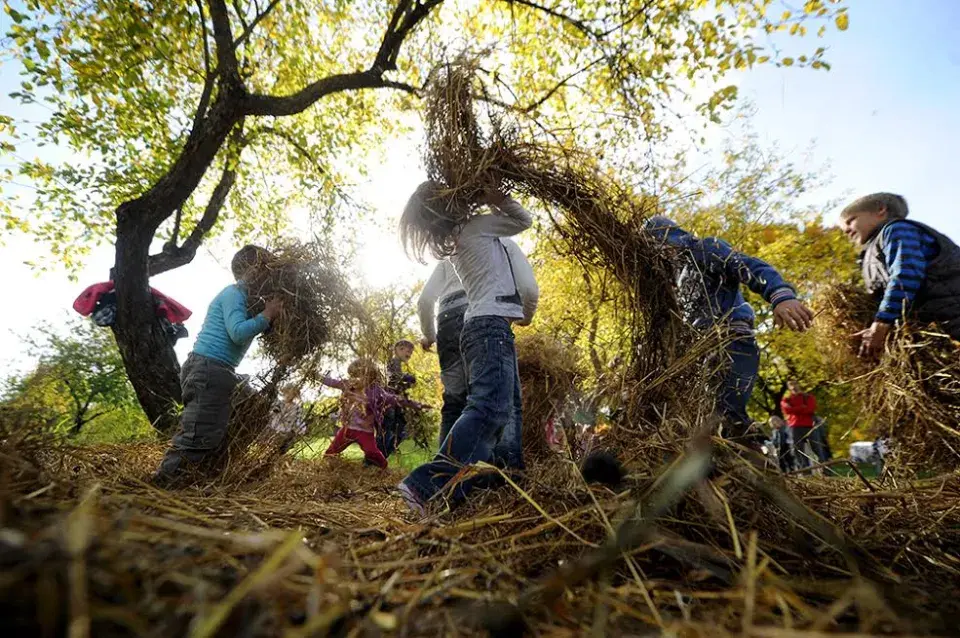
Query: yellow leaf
[[843, 21], [787, 62]]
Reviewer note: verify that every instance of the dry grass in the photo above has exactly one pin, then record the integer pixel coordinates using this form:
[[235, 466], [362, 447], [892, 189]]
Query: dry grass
[[912, 395], [549, 371], [325, 547]]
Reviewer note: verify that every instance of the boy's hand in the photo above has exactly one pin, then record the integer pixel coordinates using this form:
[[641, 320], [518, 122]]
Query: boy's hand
[[426, 344], [873, 338], [273, 309], [793, 314], [523, 322]]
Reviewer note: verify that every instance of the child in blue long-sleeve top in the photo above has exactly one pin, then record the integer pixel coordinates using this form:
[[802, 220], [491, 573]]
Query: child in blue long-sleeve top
[[208, 376], [711, 273], [911, 269]]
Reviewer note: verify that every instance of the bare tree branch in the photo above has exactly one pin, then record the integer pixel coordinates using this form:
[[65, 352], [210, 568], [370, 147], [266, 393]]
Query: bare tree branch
[[257, 104], [179, 256], [209, 74], [248, 29], [226, 56], [412, 12], [576, 23]]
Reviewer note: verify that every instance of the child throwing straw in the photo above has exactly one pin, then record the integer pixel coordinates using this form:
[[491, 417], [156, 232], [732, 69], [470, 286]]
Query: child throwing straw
[[363, 403], [489, 427], [709, 289], [446, 326], [912, 270], [208, 377]]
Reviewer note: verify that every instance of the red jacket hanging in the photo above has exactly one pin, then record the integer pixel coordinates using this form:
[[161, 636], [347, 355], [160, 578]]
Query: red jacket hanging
[[168, 308], [799, 409]]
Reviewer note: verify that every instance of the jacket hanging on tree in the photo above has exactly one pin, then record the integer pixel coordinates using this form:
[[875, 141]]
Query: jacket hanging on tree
[[99, 302]]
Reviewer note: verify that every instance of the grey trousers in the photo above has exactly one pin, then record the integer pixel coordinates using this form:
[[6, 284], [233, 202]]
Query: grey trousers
[[207, 386]]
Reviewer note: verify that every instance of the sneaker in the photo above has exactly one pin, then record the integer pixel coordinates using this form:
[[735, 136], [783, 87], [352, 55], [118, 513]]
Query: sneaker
[[411, 499]]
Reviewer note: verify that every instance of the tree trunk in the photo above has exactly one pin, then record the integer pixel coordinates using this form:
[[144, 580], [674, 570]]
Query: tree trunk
[[148, 356]]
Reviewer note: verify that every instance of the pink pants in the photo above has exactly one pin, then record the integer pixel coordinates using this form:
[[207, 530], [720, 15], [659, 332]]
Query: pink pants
[[366, 440]]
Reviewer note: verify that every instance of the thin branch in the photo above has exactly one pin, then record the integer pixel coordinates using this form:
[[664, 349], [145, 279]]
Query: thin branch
[[303, 151], [576, 23], [559, 85], [249, 29], [209, 75]]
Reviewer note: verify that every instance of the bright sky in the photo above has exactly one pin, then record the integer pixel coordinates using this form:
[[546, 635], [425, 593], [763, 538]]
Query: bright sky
[[884, 118]]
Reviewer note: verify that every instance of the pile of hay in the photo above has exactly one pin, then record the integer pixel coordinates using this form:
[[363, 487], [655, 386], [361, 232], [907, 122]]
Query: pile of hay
[[912, 395], [318, 304], [549, 371], [600, 220], [324, 547]]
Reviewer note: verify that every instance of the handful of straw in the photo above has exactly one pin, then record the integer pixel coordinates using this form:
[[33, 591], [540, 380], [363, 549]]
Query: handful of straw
[[316, 297], [912, 394]]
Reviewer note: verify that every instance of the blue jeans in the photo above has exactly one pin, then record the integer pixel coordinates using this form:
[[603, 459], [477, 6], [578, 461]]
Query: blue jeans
[[738, 385], [453, 369], [489, 428]]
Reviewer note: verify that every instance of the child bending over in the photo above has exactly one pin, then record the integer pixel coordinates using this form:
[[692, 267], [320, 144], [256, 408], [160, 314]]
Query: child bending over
[[709, 289], [912, 270], [489, 427], [362, 405], [208, 376]]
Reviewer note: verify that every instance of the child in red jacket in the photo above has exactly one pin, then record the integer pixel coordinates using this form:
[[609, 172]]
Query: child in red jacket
[[799, 408]]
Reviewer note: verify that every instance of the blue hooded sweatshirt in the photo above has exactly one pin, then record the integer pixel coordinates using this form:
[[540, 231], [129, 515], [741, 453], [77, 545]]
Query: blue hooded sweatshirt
[[711, 272]]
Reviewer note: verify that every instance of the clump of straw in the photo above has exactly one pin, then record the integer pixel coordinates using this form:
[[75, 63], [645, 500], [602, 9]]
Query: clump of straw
[[549, 370], [599, 219], [912, 394], [317, 300]]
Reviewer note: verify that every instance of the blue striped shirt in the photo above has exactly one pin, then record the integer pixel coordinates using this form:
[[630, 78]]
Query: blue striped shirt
[[908, 250]]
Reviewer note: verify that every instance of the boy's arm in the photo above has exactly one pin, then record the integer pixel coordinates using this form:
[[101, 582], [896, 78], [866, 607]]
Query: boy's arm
[[526, 281], [241, 328], [428, 300], [785, 406], [763, 279], [756, 274], [903, 247]]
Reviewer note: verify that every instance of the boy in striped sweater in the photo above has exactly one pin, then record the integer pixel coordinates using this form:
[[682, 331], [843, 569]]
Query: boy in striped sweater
[[912, 270]]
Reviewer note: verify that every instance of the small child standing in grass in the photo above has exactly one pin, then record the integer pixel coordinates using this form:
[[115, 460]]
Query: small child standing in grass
[[912, 270], [362, 405], [394, 429], [488, 429]]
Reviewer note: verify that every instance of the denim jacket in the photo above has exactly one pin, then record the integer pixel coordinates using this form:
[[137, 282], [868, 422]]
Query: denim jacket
[[710, 275]]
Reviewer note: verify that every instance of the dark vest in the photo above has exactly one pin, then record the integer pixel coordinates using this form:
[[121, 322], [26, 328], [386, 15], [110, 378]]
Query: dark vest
[[939, 296]]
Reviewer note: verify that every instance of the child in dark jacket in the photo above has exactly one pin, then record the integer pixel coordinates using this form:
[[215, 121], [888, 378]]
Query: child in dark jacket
[[708, 284], [911, 269], [394, 429]]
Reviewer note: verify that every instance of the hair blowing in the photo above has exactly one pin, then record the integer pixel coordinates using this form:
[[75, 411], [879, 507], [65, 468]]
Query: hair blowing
[[428, 224]]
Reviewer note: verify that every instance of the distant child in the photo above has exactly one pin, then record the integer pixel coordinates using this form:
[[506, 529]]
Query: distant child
[[394, 429], [912, 270], [489, 427], [362, 405], [800, 410], [444, 286], [208, 376], [780, 440], [287, 418], [709, 288]]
